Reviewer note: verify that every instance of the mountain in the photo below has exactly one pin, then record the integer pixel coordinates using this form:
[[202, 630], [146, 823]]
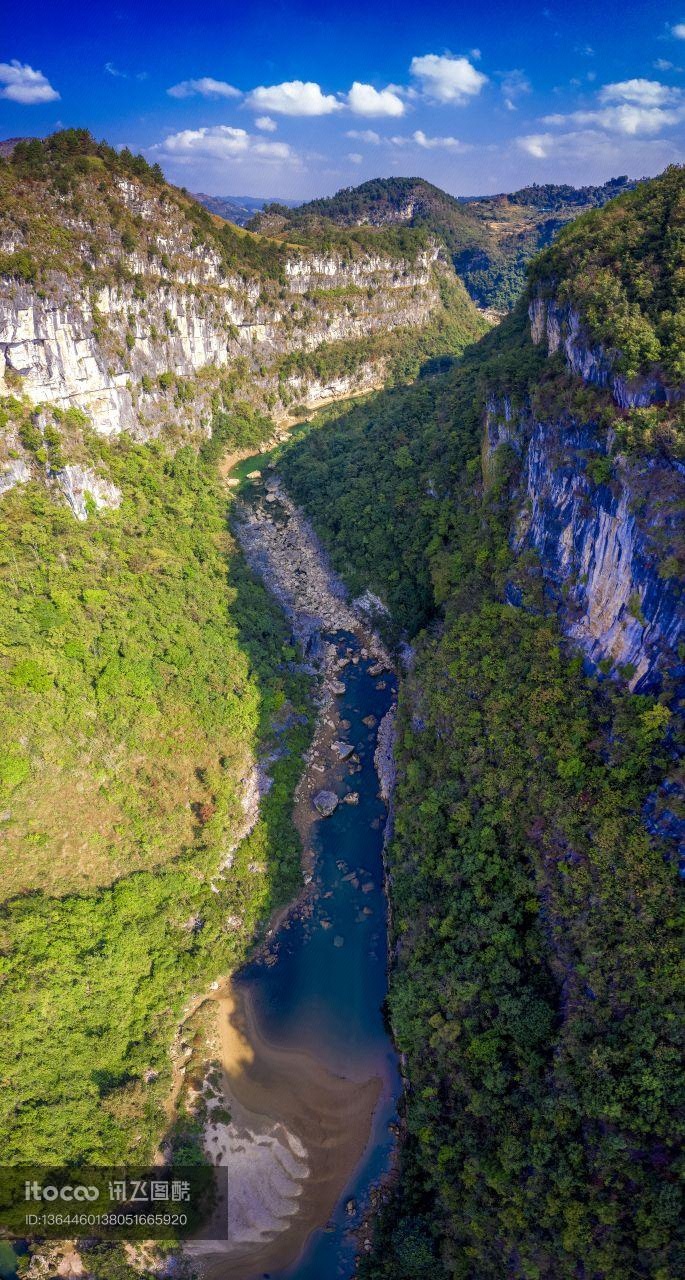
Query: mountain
[[238, 209], [490, 239], [7, 146], [521, 516]]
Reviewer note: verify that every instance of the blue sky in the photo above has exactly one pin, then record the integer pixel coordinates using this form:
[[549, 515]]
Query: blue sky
[[298, 99]]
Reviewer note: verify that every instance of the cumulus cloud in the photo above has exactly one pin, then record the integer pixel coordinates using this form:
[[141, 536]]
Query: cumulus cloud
[[678, 30], [591, 150], [538, 145], [630, 107], [205, 87], [447, 144], [646, 93], [626, 118], [220, 142], [365, 135], [364, 100], [447, 79], [20, 83], [420, 139], [266, 124], [293, 98], [354, 157], [416, 139]]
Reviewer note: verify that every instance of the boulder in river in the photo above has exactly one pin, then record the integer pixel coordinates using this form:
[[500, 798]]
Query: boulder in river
[[343, 750], [326, 803]]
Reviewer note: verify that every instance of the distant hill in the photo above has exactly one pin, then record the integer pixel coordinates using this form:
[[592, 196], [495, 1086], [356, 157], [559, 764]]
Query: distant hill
[[490, 238], [237, 209], [7, 146]]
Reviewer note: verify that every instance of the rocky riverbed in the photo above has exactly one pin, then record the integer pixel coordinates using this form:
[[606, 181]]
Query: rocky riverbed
[[280, 545]]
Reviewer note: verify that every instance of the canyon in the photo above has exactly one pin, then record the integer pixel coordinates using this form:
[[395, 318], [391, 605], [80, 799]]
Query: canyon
[[349, 739]]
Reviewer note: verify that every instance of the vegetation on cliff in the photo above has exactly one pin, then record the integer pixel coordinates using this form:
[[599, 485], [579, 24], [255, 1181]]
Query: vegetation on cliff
[[57, 196], [622, 269]]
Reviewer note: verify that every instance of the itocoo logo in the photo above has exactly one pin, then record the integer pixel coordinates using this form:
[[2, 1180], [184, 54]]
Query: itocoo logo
[[34, 1191]]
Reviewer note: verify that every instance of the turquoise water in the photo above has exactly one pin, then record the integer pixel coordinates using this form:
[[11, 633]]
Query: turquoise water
[[326, 990]]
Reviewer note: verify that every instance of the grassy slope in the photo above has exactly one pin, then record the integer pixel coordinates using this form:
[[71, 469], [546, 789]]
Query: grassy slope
[[536, 992], [140, 670]]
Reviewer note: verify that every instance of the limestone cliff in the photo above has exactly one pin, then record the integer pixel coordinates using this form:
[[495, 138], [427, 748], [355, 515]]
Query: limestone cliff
[[605, 523], [121, 296], [104, 349]]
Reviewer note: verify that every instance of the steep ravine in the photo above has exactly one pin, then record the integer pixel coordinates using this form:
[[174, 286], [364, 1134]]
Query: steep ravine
[[309, 1074]]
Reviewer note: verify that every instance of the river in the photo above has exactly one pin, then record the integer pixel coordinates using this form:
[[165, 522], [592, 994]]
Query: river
[[311, 1076]]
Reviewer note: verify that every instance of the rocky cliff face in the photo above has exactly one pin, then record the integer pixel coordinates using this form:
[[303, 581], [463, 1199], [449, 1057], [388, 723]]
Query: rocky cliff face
[[561, 328], [604, 525], [102, 350], [125, 314]]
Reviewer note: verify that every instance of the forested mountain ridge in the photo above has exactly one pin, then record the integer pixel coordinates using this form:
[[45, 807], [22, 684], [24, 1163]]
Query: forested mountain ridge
[[532, 517], [490, 239]]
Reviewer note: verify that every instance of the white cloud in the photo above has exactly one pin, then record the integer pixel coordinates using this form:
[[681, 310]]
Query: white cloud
[[364, 100], [447, 144], [266, 124], [420, 139], [354, 157], [539, 145], [630, 107], [646, 93], [20, 83], [123, 75], [220, 142], [591, 150], [627, 119], [293, 98], [678, 30], [514, 84], [447, 79], [205, 87], [365, 135]]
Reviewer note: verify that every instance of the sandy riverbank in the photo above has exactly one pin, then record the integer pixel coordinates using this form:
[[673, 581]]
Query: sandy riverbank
[[297, 1131]]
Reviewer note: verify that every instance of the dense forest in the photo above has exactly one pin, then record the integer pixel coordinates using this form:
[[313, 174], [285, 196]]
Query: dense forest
[[538, 969]]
